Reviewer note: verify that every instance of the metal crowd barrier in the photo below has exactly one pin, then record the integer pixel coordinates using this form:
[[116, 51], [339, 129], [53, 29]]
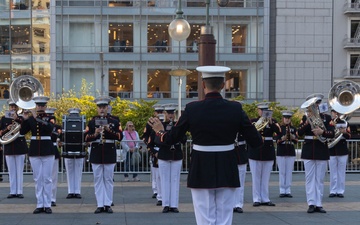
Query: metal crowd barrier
[[143, 166]]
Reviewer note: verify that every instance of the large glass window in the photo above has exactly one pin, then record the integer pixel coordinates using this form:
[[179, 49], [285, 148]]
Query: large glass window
[[20, 39], [355, 29], [235, 83], [20, 4], [4, 83], [192, 85], [121, 37], [121, 83], [193, 39], [158, 37], [355, 65], [159, 83], [239, 35], [4, 40]]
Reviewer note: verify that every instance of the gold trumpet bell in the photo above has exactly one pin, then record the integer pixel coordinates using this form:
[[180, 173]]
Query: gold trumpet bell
[[344, 97], [23, 89]]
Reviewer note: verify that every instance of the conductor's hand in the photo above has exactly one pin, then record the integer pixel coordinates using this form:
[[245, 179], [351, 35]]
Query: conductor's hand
[[156, 124], [317, 131]]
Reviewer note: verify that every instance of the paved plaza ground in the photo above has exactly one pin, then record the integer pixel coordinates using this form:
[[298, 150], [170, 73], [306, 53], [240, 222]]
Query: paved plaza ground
[[134, 205]]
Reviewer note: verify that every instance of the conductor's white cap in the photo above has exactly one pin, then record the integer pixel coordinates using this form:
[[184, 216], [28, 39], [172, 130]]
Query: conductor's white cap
[[212, 71]]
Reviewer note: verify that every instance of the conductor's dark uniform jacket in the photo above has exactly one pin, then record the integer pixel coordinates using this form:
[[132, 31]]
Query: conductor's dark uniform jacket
[[213, 122]]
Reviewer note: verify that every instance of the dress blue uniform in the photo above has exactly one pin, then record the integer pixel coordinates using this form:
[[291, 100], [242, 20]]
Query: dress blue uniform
[[102, 131], [15, 153], [213, 123], [285, 154], [41, 153], [261, 160], [315, 155], [242, 159], [338, 160], [74, 162]]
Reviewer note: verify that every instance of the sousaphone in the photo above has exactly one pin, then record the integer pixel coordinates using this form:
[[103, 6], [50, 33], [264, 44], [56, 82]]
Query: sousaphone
[[344, 98], [22, 91]]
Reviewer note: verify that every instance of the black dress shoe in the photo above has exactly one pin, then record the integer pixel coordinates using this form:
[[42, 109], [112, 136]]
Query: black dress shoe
[[175, 210], [159, 203], [238, 210], [70, 196], [48, 210], [12, 196], [38, 210], [53, 204], [108, 209], [331, 195], [320, 209], [255, 204], [282, 195], [268, 204], [112, 204], [340, 195], [311, 209], [99, 210], [288, 195], [20, 195], [166, 209], [77, 196], [154, 195]]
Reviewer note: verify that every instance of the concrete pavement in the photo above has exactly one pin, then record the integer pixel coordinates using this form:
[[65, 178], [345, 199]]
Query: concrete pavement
[[134, 205]]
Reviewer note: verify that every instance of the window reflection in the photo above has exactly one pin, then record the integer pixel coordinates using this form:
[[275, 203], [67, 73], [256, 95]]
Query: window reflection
[[120, 3], [40, 4], [20, 36], [4, 83], [159, 84], [191, 84], [158, 37], [19, 4], [4, 40], [120, 37], [235, 83], [239, 37], [193, 40], [121, 83]]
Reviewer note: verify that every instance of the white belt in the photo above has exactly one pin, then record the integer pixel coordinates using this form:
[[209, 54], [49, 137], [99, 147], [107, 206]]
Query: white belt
[[40, 138], [104, 141], [242, 143], [213, 148], [268, 138], [311, 137], [286, 143]]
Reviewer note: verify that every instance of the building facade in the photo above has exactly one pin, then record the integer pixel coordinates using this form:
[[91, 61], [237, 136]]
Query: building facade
[[278, 50]]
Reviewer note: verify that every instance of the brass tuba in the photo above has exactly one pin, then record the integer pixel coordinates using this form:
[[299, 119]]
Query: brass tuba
[[313, 115], [344, 98], [261, 123], [22, 90]]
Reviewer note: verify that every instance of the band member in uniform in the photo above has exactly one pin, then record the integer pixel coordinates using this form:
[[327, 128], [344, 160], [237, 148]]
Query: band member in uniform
[[285, 154], [213, 123], [242, 159], [41, 152], [15, 151], [338, 157], [74, 164], [103, 131], [170, 161], [261, 159], [55, 137], [147, 137], [315, 155]]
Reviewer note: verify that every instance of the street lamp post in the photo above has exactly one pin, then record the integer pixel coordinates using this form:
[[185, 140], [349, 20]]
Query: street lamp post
[[207, 44], [179, 30]]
